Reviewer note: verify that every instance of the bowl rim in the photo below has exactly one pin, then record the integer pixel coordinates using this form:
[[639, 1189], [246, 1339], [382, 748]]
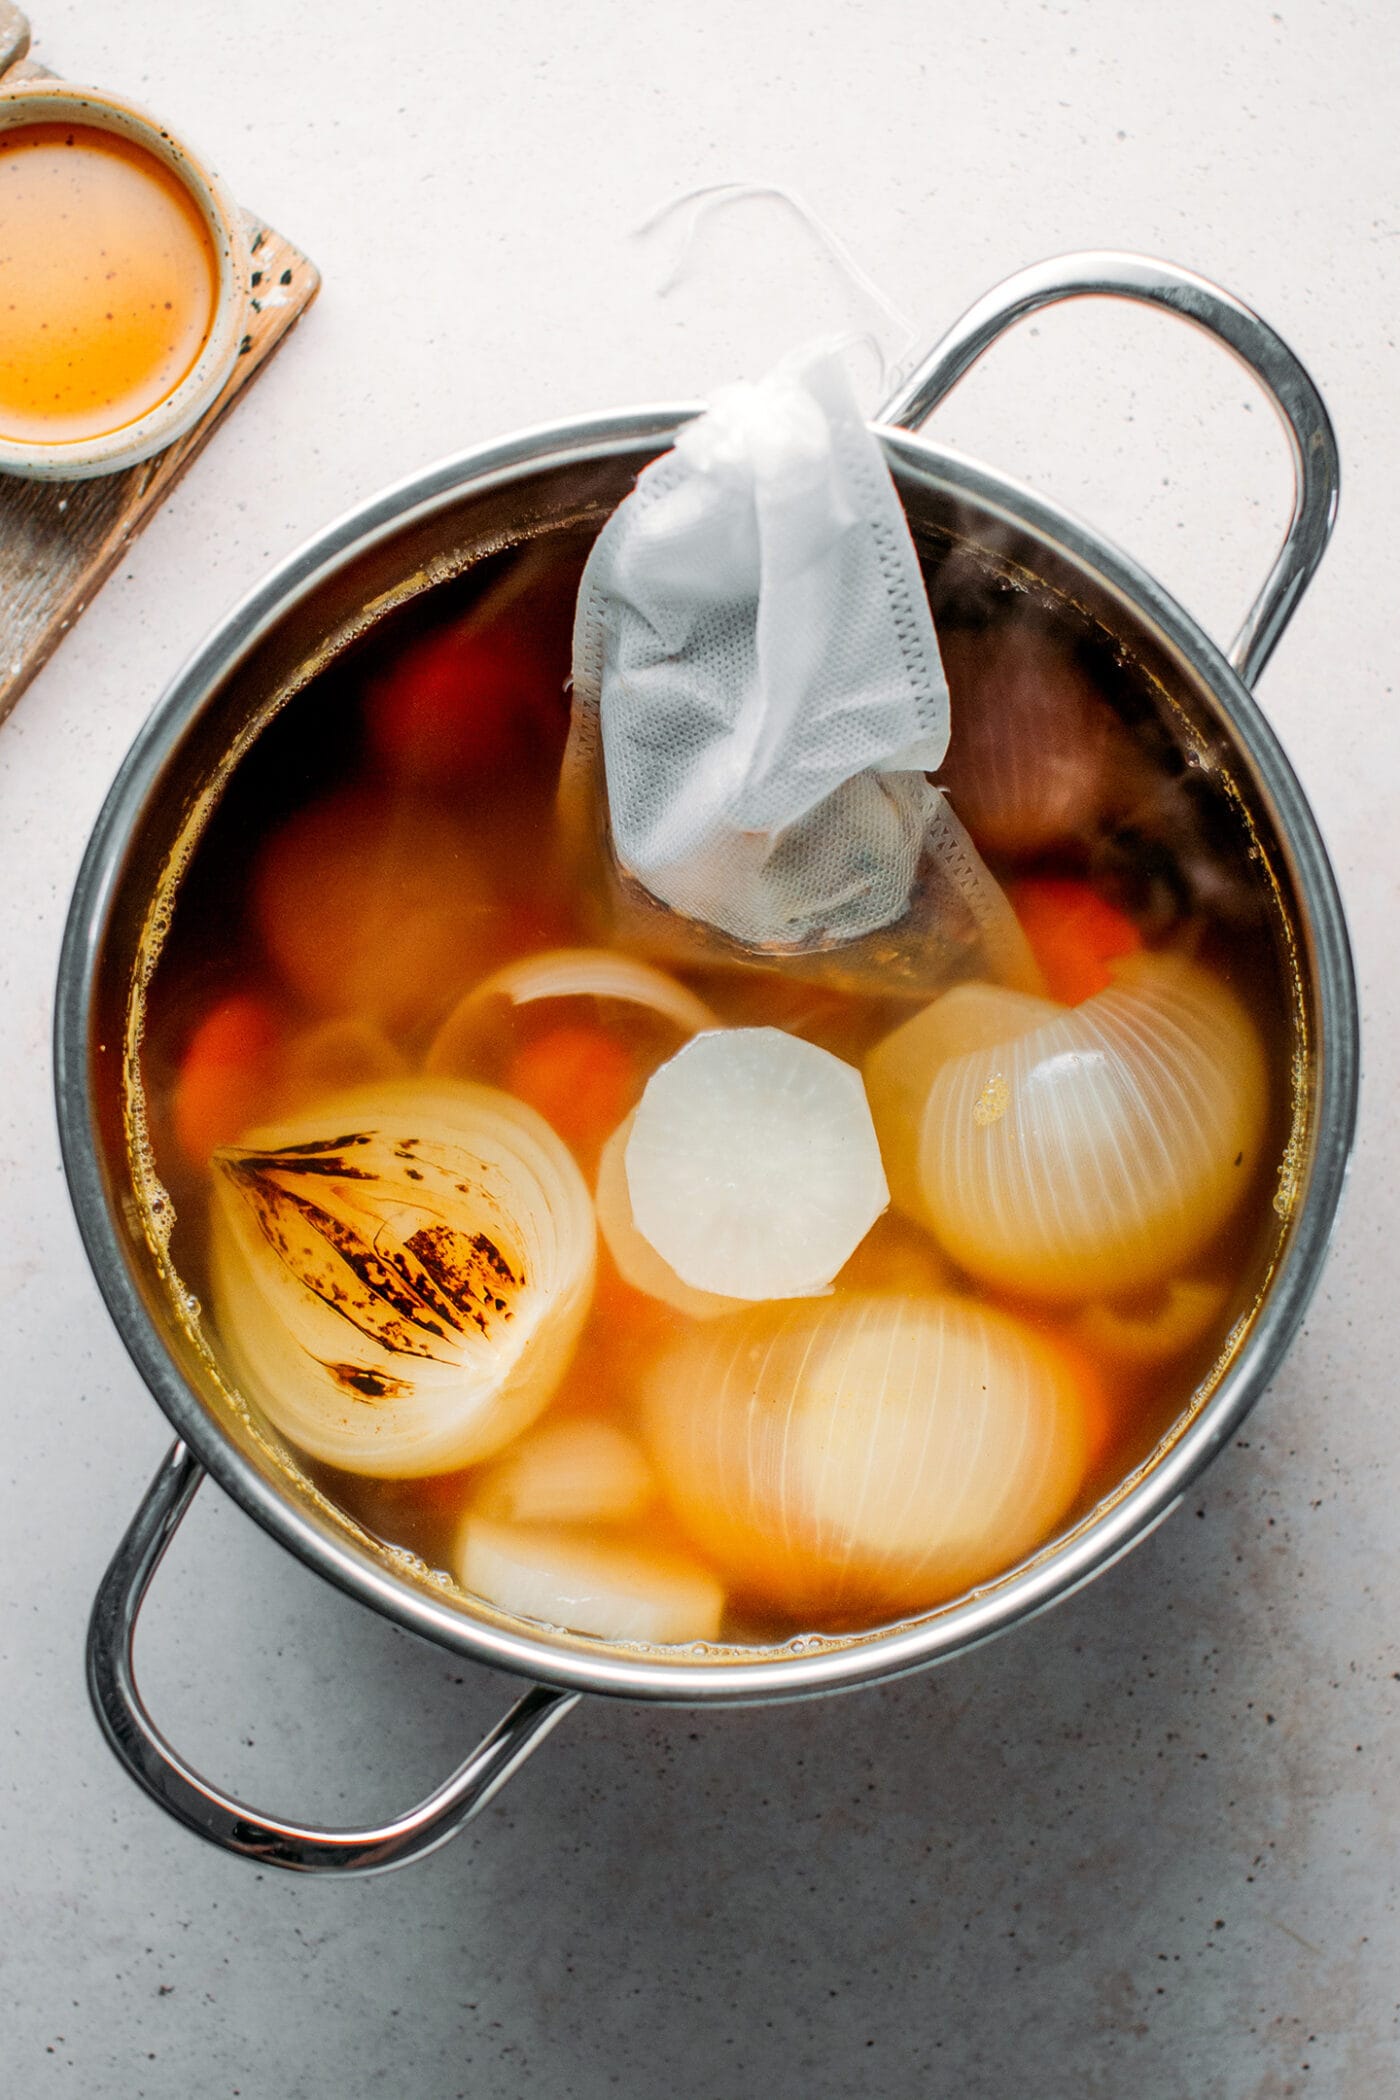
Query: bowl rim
[[28, 102], [572, 1661]]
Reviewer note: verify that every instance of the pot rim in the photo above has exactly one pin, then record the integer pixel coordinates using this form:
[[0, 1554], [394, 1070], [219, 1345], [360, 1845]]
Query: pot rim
[[568, 1660]]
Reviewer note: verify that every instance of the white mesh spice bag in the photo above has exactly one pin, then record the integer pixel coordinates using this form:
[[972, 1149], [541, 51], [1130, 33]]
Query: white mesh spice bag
[[758, 698]]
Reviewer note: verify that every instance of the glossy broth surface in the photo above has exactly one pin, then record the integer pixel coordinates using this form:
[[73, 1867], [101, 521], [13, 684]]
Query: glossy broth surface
[[391, 841], [108, 282]]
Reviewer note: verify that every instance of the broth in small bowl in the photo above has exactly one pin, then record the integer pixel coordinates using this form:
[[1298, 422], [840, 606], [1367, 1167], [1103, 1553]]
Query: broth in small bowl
[[311, 750], [125, 276]]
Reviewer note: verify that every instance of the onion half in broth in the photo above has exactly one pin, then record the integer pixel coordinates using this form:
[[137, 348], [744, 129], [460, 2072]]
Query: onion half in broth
[[1096, 1154], [865, 1454], [400, 1274], [1031, 761]]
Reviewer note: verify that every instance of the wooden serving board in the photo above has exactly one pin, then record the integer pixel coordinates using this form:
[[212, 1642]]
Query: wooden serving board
[[60, 540]]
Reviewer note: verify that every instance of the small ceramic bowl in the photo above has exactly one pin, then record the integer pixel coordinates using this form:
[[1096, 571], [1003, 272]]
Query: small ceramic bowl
[[54, 101]]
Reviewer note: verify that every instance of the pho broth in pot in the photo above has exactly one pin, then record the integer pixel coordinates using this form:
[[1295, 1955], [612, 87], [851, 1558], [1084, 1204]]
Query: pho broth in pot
[[1213, 834]]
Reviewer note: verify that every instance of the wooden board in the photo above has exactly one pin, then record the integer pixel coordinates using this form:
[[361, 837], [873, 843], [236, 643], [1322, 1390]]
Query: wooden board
[[60, 540]]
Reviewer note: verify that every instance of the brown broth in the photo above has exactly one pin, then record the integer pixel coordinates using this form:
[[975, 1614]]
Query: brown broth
[[441, 863], [108, 282]]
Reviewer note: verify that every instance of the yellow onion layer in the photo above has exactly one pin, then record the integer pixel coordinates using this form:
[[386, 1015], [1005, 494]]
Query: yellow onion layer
[[602, 980], [868, 1453], [400, 1273], [1030, 762], [899, 1070], [1095, 1155]]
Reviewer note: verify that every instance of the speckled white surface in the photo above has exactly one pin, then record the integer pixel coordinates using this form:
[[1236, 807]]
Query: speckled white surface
[[1147, 1845]]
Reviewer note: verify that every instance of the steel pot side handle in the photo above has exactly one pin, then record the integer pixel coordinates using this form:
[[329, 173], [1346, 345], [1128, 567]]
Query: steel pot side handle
[[1312, 441], [191, 1800]]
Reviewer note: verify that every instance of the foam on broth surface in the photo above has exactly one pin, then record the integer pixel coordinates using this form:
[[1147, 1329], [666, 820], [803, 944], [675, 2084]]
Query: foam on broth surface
[[427, 776]]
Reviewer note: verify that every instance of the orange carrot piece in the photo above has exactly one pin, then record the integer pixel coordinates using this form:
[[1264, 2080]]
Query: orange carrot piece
[[462, 704], [228, 1075], [1099, 1401], [1101, 1407], [580, 1079], [375, 904], [1074, 934]]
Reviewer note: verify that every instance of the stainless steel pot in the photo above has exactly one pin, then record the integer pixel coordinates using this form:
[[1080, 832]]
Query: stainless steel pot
[[433, 525]]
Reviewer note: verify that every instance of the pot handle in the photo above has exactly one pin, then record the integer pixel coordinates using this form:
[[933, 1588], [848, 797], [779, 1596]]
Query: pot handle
[[1311, 439], [154, 1765]]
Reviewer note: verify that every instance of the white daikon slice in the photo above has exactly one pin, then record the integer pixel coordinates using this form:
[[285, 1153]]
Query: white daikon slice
[[1139, 1340], [565, 1578], [567, 1472], [753, 1167], [638, 1262]]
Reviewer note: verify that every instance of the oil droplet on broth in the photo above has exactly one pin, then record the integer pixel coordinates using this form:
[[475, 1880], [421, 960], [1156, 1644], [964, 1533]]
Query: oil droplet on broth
[[108, 282], [993, 1101]]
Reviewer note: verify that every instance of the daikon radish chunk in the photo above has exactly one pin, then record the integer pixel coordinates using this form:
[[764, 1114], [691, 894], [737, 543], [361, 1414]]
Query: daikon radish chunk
[[866, 1453], [585, 1585], [377, 906], [568, 1472], [637, 1261], [899, 1071], [753, 1167]]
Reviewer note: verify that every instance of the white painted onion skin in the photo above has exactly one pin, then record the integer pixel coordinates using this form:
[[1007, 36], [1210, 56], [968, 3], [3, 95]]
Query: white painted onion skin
[[400, 1273], [1096, 1155], [865, 1454]]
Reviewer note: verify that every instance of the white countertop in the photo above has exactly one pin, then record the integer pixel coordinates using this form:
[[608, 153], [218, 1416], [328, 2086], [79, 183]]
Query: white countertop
[[1146, 1845]]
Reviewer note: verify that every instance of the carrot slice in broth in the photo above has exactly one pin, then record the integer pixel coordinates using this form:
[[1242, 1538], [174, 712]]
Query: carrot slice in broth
[[1074, 934]]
